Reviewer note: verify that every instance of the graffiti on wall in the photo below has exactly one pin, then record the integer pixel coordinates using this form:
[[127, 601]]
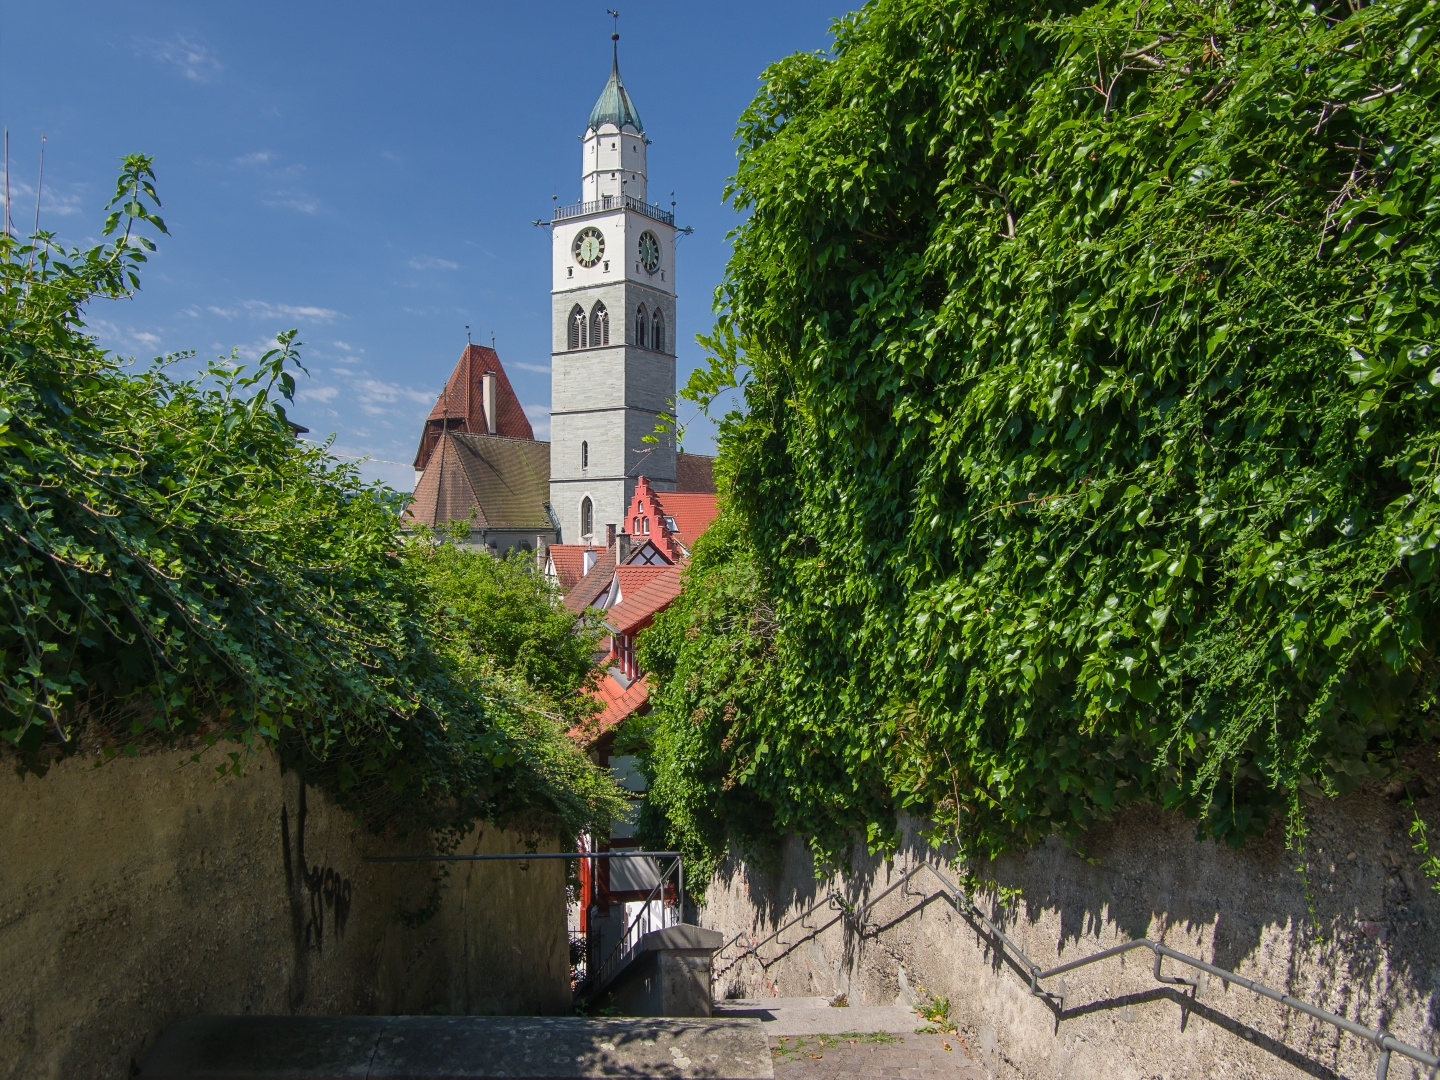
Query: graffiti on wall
[[319, 895]]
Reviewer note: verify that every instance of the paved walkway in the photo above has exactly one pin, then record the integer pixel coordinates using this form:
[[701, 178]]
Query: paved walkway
[[812, 1040]]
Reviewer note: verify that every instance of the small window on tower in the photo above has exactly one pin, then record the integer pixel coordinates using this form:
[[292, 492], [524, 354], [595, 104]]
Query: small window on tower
[[587, 517], [584, 455]]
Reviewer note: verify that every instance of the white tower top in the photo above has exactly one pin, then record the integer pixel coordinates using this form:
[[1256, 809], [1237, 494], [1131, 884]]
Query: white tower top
[[614, 142]]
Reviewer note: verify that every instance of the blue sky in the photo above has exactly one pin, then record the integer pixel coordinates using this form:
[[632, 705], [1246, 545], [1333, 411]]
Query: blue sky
[[368, 173]]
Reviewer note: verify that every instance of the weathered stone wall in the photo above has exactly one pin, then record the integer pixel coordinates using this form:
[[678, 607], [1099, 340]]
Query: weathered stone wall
[[148, 890], [1369, 950]]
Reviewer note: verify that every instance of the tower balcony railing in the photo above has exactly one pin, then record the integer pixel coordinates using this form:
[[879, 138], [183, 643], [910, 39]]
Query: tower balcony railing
[[614, 202]]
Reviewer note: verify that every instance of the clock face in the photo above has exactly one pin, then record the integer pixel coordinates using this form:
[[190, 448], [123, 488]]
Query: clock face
[[649, 251], [589, 246]]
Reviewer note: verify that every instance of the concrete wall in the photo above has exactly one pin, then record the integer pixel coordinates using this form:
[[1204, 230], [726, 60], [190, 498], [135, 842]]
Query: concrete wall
[[1370, 950], [148, 890]]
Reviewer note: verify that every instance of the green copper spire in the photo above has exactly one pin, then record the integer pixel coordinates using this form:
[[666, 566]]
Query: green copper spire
[[615, 106]]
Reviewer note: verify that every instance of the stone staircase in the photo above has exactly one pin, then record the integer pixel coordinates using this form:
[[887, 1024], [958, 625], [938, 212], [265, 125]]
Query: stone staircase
[[768, 1039], [811, 1039], [456, 1048]]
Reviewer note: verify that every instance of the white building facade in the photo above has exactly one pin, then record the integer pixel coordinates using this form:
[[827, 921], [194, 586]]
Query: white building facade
[[612, 364]]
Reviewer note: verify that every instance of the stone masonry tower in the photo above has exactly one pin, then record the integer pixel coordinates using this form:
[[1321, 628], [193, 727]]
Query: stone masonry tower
[[612, 362]]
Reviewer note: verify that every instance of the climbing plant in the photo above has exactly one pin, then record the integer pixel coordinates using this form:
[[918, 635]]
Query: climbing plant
[[1089, 449], [178, 566]]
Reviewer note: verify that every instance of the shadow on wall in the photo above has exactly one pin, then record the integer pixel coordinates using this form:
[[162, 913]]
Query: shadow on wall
[[1357, 933], [149, 890]]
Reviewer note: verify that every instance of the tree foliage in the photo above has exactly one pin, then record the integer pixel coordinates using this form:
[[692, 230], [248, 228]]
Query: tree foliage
[[178, 564], [1090, 445], [514, 616]]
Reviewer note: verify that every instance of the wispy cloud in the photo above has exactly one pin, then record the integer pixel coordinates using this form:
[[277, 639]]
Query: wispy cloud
[[258, 157], [293, 200], [124, 339], [539, 417], [377, 398], [193, 59], [429, 262], [542, 369], [303, 312], [53, 203], [308, 394]]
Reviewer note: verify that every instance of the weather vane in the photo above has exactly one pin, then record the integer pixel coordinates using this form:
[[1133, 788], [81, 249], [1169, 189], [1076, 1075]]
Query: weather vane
[[467, 334], [615, 16]]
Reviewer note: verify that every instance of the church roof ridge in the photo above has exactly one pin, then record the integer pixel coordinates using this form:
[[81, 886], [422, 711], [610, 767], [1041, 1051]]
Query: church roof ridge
[[615, 105]]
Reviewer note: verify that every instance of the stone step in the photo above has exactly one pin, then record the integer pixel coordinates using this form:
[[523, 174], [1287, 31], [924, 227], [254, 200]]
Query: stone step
[[456, 1048], [878, 1057], [816, 1016]]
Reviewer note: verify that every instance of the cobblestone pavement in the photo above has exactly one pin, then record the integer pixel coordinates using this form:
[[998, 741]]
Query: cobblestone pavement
[[907, 1056]]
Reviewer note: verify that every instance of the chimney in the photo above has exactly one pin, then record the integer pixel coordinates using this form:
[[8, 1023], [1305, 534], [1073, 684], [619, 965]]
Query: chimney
[[487, 397], [610, 537], [622, 548]]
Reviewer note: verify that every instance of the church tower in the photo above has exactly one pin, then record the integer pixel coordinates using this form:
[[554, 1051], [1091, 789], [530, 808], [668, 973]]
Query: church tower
[[612, 353]]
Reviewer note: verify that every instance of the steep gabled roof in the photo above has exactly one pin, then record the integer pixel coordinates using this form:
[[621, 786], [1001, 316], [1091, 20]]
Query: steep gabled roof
[[638, 609], [461, 405], [567, 563], [593, 585], [494, 482]]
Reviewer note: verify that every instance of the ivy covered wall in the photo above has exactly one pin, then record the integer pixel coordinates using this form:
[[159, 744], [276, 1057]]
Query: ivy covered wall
[[1089, 445]]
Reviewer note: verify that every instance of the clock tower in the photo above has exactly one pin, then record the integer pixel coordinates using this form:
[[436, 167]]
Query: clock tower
[[612, 352]]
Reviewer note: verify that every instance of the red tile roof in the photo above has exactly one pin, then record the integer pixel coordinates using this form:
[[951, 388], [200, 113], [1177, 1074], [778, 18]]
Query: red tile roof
[[593, 585], [633, 577], [569, 563], [692, 513], [461, 406], [620, 703], [638, 609]]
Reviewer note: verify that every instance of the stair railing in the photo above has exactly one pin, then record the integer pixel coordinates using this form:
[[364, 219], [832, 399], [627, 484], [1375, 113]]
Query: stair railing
[[1386, 1043], [624, 949]]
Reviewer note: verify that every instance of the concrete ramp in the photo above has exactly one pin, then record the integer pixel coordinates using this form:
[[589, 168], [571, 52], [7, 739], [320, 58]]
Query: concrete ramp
[[456, 1048]]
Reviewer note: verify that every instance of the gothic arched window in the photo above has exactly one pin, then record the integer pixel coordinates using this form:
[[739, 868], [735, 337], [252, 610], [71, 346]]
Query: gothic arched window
[[584, 455], [642, 326], [599, 326], [578, 336], [587, 517], [657, 336]]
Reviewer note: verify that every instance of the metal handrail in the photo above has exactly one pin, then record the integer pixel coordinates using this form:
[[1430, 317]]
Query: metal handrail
[[832, 899], [625, 947], [614, 202], [1383, 1040]]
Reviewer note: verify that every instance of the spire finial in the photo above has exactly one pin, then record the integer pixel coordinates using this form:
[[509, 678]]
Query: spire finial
[[614, 39]]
